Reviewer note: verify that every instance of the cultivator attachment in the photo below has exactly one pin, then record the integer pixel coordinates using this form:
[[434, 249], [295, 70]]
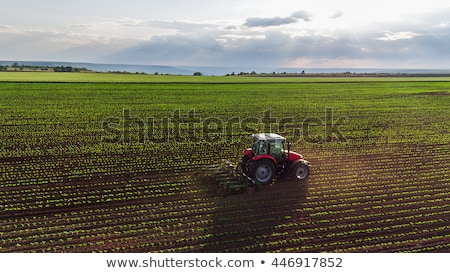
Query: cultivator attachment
[[230, 178]]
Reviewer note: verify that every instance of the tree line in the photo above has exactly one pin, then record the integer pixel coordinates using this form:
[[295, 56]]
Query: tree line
[[18, 67]]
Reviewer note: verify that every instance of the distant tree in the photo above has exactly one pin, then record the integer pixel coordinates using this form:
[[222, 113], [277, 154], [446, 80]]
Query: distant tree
[[63, 69], [198, 74], [15, 65]]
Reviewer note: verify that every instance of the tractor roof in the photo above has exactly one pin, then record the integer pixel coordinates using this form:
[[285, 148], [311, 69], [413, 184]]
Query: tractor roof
[[267, 137]]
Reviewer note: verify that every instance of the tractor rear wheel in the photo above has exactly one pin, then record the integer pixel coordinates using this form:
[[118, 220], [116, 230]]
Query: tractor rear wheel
[[262, 170], [300, 171]]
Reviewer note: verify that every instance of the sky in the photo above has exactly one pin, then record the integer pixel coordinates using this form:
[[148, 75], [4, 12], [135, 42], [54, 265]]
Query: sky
[[246, 33]]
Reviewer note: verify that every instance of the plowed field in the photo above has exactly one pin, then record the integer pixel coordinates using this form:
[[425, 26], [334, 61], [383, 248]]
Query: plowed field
[[76, 177]]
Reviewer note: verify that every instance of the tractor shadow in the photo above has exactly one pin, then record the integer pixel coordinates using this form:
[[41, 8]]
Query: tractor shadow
[[247, 222]]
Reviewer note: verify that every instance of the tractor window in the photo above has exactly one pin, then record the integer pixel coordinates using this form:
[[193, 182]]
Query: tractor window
[[260, 148], [263, 148], [255, 148], [277, 149]]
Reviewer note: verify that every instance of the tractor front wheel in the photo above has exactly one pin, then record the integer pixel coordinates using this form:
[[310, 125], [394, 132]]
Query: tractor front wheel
[[300, 171], [262, 170]]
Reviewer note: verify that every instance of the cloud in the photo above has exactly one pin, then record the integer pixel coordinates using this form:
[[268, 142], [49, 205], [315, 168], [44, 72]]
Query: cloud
[[443, 24], [245, 46], [278, 21], [174, 49], [303, 15], [39, 45], [132, 28], [81, 26], [266, 48], [7, 28], [230, 27], [268, 41], [337, 14], [394, 36], [269, 22], [218, 48]]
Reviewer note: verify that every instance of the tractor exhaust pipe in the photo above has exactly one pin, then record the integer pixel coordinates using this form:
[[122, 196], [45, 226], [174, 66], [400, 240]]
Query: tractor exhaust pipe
[[289, 149]]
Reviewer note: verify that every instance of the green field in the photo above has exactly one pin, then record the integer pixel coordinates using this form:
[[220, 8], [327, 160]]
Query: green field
[[87, 163]]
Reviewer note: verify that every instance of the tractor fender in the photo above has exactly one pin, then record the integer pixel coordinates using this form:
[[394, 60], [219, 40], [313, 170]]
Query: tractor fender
[[259, 157], [247, 152], [293, 156]]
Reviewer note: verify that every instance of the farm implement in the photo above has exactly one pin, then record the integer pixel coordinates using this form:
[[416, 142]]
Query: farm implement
[[267, 159], [230, 178]]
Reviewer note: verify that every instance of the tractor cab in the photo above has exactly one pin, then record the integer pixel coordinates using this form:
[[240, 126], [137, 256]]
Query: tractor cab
[[269, 144]]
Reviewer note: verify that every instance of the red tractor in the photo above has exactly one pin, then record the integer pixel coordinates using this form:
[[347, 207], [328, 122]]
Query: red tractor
[[268, 158], [259, 165]]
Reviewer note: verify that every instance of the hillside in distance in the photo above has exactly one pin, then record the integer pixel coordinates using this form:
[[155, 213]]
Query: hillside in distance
[[149, 69], [222, 70]]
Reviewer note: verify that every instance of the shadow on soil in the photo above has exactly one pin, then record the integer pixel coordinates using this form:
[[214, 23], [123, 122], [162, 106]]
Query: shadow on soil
[[250, 222]]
